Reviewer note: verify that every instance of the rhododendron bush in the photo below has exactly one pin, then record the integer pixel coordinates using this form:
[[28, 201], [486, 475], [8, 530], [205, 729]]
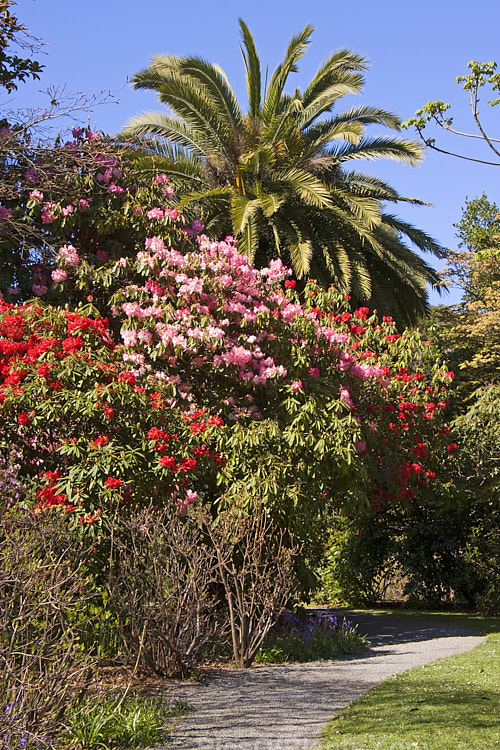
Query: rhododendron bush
[[91, 439], [71, 206], [211, 381]]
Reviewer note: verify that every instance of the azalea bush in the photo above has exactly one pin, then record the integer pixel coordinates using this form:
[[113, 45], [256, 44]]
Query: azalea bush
[[158, 367]]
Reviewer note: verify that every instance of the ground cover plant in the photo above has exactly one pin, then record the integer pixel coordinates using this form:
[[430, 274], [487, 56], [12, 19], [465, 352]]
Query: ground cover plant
[[310, 636], [452, 702], [121, 720]]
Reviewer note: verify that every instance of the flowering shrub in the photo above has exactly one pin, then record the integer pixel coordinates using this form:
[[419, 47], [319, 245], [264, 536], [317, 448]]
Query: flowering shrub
[[323, 403], [89, 437], [70, 208], [200, 376]]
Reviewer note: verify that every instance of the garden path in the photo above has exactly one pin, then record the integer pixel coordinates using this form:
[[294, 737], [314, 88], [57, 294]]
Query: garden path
[[285, 707]]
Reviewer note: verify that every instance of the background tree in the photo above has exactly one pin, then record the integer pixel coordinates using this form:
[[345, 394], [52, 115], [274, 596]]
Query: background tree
[[469, 332], [437, 112], [276, 177], [13, 68]]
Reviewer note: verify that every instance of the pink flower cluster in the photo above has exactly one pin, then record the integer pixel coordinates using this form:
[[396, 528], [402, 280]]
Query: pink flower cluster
[[69, 255]]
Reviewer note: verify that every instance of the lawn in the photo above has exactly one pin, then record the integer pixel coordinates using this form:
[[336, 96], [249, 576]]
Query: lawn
[[450, 704]]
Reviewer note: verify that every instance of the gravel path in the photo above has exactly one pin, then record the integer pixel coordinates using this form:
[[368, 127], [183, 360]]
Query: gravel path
[[285, 707]]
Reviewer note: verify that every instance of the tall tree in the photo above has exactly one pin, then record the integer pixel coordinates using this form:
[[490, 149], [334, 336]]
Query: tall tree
[[276, 177]]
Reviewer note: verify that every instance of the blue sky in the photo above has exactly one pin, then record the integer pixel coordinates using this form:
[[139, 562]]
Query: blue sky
[[415, 51]]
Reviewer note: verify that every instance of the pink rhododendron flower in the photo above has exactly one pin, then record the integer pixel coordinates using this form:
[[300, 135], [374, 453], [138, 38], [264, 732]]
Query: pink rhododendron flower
[[129, 337], [59, 275], [161, 179], [36, 195], [68, 210], [83, 205], [155, 213], [112, 188], [297, 385], [345, 396], [69, 255], [48, 216]]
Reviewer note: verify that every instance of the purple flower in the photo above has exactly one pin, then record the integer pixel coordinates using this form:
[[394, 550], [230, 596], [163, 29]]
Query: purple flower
[[31, 175]]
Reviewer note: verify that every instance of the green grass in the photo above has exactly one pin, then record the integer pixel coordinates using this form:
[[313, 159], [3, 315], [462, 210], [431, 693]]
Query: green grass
[[450, 704], [115, 721]]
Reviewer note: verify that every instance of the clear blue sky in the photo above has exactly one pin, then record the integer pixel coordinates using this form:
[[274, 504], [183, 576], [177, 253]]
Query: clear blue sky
[[415, 50]]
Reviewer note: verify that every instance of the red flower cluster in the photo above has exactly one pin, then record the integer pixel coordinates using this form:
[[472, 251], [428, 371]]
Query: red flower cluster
[[112, 484]]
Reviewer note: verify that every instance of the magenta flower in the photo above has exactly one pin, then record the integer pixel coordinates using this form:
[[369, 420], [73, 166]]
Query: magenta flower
[[39, 289]]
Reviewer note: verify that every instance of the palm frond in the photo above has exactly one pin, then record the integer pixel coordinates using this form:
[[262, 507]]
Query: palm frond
[[419, 238], [296, 48], [340, 62], [399, 149], [164, 126], [252, 70], [243, 209], [307, 187], [216, 86], [248, 240]]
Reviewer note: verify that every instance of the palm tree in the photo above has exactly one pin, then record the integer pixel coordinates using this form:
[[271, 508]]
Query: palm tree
[[276, 177]]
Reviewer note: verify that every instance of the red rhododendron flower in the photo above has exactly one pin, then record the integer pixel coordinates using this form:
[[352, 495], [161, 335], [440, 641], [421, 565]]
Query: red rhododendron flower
[[168, 462], [290, 284], [23, 418], [126, 377], [452, 447], [111, 483]]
